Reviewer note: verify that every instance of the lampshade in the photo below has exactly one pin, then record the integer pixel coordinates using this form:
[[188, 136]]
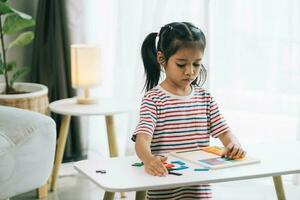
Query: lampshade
[[85, 67], [85, 62]]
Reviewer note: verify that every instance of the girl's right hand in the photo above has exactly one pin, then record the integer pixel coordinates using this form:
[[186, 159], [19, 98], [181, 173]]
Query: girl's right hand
[[234, 151], [155, 166]]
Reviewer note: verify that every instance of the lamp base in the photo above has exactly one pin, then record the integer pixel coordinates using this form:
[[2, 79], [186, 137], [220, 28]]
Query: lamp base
[[83, 100]]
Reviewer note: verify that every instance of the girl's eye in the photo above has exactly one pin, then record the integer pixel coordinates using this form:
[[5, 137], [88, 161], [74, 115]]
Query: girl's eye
[[180, 65], [197, 65]]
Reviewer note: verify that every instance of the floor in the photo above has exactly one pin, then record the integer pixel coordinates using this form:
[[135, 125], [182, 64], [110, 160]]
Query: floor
[[73, 186]]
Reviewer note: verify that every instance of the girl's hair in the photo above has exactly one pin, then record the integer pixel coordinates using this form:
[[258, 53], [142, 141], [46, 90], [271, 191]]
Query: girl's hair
[[171, 38]]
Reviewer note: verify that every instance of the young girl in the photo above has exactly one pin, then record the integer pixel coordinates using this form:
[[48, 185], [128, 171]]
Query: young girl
[[178, 114]]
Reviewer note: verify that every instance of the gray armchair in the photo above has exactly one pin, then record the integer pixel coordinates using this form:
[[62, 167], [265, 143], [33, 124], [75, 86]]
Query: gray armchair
[[27, 147]]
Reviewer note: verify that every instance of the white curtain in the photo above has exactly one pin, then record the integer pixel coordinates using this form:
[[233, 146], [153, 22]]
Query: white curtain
[[252, 56], [135, 20], [255, 66], [133, 26], [119, 28]]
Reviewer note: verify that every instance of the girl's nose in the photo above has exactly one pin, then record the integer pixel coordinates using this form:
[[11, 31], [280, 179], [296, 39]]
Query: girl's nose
[[189, 70]]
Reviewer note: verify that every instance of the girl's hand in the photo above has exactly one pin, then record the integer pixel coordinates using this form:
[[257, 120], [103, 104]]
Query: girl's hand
[[155, 166], [234, 151]]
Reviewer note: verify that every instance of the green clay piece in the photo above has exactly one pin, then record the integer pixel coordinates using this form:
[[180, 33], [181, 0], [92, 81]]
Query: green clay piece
[[201, 169], [138, 164]]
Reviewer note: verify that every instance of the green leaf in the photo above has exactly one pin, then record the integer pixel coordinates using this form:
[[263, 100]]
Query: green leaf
[[11, 66], [4, 8], [22, 40], [19, 73], [3, 1], [14, 23], [21, 14]]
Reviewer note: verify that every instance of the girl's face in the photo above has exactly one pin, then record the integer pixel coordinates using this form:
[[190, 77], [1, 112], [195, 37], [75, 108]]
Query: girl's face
[[183, 67]]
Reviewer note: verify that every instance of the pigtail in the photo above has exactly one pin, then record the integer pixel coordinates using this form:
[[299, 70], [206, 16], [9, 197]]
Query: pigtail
[[151, 66]]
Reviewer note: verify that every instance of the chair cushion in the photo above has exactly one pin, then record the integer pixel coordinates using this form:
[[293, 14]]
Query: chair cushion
[[27, 147], [17, 127]]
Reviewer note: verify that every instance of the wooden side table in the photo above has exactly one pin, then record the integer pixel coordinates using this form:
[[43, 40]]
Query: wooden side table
[[68, 108]]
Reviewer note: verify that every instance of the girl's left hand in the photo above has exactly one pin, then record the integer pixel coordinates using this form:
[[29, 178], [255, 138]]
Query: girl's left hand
[[234, 151]]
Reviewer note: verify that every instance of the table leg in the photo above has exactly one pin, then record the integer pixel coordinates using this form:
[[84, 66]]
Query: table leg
[[140, 195], [60, 148], [279, 187], [109, 196], [112, 142], [42, 192]]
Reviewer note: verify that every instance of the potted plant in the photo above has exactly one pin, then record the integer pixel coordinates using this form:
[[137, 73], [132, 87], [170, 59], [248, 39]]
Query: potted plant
[[23, 95]]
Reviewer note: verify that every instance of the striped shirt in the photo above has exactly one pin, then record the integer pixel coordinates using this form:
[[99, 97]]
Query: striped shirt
[[179, 123]]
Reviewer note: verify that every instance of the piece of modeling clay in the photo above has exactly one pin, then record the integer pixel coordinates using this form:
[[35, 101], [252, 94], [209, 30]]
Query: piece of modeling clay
[[175, 173], [178, 162], [168, 165], [101, 171], [138, 164], [201, 169], [214, 149]]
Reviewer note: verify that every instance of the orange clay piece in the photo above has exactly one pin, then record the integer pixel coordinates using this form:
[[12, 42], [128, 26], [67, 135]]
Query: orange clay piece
[[214, 149], [218, 151], [241, 158]]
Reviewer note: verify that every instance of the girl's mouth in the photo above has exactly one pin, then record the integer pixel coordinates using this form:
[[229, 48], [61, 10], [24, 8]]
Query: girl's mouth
[[188, 79]]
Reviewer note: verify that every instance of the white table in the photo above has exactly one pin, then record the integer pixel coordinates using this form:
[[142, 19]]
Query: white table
[[69, 107], [121, 176]]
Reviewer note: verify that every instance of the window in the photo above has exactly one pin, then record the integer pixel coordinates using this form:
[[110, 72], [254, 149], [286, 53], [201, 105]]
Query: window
[[255, 66]]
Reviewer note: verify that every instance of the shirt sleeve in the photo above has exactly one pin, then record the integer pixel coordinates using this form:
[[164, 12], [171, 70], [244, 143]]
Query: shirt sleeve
[[217, 124], [148, 118]]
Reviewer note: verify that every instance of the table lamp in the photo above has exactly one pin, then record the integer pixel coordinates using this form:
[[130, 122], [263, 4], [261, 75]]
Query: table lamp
[[85, 70]]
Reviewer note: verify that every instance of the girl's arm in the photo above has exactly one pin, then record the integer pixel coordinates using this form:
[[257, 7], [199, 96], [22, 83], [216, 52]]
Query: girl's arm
[[153, 164], [233, 147]]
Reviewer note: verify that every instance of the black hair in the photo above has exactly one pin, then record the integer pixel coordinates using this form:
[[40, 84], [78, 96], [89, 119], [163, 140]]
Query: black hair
[[171, 38]]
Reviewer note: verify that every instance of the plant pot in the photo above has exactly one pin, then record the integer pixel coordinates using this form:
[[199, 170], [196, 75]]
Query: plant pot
[[36, 98]]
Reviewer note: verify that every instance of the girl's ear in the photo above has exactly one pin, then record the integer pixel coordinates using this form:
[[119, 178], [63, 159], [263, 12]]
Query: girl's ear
[[161, 58]]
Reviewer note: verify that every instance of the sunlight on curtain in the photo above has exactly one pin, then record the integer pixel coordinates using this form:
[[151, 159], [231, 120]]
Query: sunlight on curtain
[[255, 66], [133, 27], [92, 22], [120, 28], [252, 55]]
